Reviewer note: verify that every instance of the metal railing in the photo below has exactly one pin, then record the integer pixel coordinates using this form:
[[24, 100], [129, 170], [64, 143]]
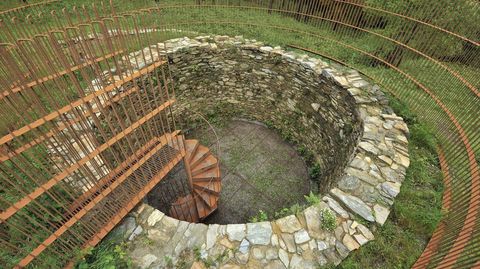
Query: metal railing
[[86, 132], [182, 209], [426, 53]]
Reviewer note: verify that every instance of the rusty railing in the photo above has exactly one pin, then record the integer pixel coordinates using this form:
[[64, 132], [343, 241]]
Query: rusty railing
[[86, 105]]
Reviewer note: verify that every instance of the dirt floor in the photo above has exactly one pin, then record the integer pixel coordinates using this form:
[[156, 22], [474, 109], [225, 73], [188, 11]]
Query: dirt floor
[[260, 171]]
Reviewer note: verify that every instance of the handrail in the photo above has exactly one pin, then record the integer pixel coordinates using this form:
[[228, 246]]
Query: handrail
[[194, 196], [81, 101], [27, 6], [59, 177], [38, 81], [65, 124], [76, 217]]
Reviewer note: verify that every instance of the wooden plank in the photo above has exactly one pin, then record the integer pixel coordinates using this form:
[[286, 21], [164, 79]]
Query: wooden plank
[[79, 102], [56, 75], [64, 125], [49, 184], [27, 6], [111, 176], [37, 251]]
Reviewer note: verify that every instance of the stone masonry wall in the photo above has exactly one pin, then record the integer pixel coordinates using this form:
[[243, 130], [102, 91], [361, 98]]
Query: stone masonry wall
[[360, 198], [259, 83]]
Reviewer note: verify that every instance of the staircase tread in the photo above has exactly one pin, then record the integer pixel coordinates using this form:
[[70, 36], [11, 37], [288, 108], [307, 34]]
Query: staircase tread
[[185, 204], [212, 172], [192, 146], [213, 186], [203, 207], [207, 179], [175, 141], [206, 184], [207, 189], [210, 199], [205, 165], [201, 153]]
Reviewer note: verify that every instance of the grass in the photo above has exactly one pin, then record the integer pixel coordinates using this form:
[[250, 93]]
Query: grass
[[415, 213], [109, 254], [417, 209], [329, 220]]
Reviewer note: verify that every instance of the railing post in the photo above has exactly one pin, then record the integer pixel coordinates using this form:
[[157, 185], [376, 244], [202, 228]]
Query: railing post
[[188, 170]]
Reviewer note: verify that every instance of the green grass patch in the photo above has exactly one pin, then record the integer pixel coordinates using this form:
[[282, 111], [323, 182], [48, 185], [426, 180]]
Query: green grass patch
[[416, 211], [109, 254]]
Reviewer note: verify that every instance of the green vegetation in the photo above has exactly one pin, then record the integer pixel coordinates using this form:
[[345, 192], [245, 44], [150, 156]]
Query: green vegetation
[[439, 45], [416, 211], [168, 261], [314, 171], [417, 208], [210, 261], [328, 219], [261, 216], [312, 198], [106, 255]]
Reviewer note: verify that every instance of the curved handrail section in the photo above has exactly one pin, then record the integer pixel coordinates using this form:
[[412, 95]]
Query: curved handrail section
[[182, 207]]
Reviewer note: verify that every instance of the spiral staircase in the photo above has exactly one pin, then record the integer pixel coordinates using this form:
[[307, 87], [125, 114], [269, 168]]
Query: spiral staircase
[[205, 184]]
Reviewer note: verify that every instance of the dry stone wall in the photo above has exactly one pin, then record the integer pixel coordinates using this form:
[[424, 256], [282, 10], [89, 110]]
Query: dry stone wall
[[360, 197], [272, 86]]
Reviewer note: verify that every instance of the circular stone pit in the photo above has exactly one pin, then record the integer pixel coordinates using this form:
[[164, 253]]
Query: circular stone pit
[[248, 80], [259, 171], [375, 157]]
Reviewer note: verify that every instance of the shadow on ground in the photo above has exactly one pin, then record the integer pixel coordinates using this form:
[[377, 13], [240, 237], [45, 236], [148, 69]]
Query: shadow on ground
[[260, 171]]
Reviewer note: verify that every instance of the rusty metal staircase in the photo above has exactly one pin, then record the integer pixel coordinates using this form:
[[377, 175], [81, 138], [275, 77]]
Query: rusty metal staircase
[[204, 177]]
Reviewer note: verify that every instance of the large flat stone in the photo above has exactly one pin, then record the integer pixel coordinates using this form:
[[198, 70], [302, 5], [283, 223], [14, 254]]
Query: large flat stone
[[301, 237], [242, 258], [147, 260], [390, 189], [154, 217], [275, 264], [289, 241], [258, 253], [335, 206], [360, 239], [350, 242], [359, 164], [244, 246], [236, 232], [196, 235], [283, 256], [321, 245], [137, 231], [289, 224], [259, 233], [126, 228], [342, 249], [212, 235], [381, 213], [312, 218], [229, 266], [356, 205], [299, 262], [349, 183], [368, 147], [365, 232], [390, 174]]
